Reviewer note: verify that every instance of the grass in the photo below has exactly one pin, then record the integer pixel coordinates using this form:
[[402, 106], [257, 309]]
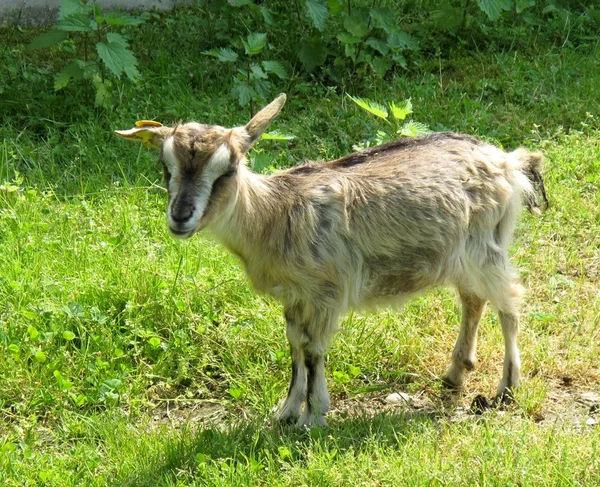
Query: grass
[[128, 358]]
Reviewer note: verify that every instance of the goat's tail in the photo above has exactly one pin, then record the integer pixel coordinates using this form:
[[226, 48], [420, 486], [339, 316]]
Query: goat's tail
[[532, 165]]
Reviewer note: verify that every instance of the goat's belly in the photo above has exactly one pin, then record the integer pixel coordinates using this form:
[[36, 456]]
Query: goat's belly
[[393, 289]]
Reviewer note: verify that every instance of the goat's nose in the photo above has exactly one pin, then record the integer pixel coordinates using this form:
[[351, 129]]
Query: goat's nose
[[182, 213]]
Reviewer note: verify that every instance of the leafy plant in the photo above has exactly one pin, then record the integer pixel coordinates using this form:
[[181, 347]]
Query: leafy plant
[[397, 121], [369, 37], [251, 79], [95, 50]]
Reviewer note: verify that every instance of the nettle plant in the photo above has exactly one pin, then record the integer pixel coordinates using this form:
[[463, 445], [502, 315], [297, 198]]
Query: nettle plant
[[97, 53], [370, 37], [395, 118], [251, 78]]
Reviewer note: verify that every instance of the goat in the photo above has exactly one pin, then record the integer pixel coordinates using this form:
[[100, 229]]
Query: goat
[[369, 229]]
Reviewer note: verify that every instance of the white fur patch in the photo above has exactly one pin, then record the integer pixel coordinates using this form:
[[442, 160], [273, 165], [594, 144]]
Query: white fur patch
[[217, 165], [169, 157]]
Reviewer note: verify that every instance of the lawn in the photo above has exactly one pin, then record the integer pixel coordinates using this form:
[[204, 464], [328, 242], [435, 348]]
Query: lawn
[[129, 358]]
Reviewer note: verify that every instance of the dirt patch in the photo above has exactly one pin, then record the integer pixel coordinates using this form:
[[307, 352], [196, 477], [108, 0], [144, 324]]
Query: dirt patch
[[564, 402], [567, 401]]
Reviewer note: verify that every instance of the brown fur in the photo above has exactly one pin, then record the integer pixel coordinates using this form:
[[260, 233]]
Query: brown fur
[[368, 229]]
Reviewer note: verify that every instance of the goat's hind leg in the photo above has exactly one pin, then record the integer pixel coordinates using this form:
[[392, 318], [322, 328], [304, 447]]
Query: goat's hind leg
[[464, 354], [512, 362], [504, 293]]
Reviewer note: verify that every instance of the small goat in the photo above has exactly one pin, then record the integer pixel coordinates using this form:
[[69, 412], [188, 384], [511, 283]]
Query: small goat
[[372, 228]]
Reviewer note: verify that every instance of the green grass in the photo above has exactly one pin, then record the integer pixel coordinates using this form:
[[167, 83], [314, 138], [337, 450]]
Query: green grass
[[129, 358]]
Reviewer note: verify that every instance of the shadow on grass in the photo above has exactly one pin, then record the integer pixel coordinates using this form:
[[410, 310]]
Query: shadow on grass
[[263, 444]]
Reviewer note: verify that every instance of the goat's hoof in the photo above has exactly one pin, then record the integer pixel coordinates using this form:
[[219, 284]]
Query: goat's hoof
[[505, 397], [480, 404], [312, 421], [450, 382], [286, 420]]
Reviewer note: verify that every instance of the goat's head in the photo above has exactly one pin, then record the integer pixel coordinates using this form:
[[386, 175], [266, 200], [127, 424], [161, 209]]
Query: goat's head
[[201, 165]]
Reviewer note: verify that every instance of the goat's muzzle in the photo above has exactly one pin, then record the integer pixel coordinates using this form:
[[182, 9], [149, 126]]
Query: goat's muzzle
[[180, 221]]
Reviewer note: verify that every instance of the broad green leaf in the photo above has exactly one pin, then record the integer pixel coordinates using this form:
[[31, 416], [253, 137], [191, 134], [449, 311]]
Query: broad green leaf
[[494, 8], [64, 77], [211, 52], [381, 65], [63, 383], [354, 371], [112, 383], [154, 342], [275, 68], [103, 92], [48, 39], [400, 59], [312, 53], [357, 23], [318, 13], [262, 88], [236, 393], [522, 5], [258, 72], [347, 38], [116, 38], [131, 70], [276, 135], [243, 92], [76, 22], [122, 18], [370, 106], [90, 69], [224, 54], [401, 111], [227, 55], [412, 129], [68, 7], [336, 7], [378, 44], [29, 314], [118, 59], [340, 377], [98, 15], [350, 50], [401, 40], [448, 18], [268, 16], [33, 332], [254, 43], [68, 335], [40, 357], [384, 18]]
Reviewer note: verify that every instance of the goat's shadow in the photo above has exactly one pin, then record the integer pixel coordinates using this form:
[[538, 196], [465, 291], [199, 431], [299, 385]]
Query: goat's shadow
[[263, 439]]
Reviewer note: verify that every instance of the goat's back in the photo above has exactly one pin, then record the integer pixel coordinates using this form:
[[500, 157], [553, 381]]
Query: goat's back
[[394, 219]]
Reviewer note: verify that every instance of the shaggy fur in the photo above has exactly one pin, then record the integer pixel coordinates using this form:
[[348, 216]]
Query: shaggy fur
[[370, 229]]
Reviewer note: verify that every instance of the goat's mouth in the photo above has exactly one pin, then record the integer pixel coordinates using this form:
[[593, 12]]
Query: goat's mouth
[[183, 234]]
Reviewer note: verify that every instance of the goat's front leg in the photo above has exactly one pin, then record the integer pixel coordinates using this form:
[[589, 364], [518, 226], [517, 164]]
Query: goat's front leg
[[291, 409], [317, 397], [309, 331]]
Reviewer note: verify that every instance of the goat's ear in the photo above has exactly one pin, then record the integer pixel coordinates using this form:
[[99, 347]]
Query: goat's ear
[[149, 133], [262, 119]]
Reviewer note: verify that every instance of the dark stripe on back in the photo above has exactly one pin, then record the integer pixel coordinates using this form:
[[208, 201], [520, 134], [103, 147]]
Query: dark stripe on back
[[400, 144]]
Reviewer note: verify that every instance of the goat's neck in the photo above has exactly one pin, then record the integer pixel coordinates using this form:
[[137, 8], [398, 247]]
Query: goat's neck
[[243, 223]]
